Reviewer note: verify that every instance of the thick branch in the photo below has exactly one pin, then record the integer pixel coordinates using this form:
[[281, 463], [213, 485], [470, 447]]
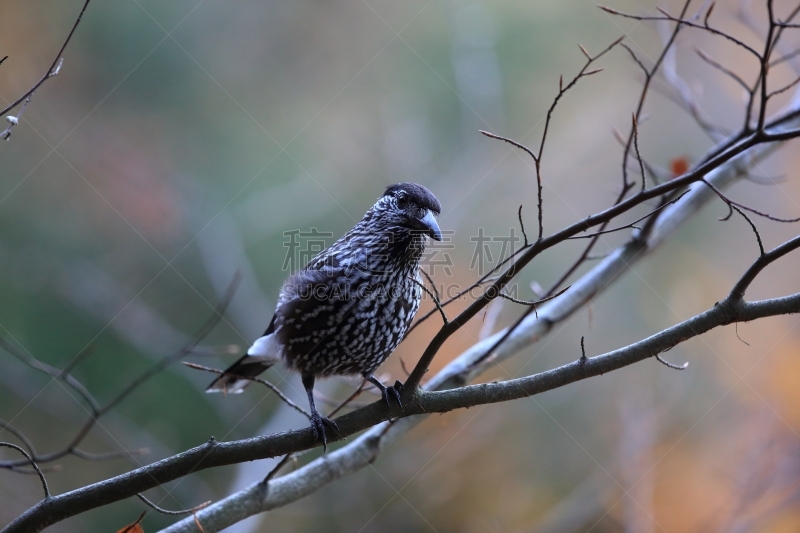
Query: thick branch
[[215, 453], [291, 487], [366, 448], [705, 168]]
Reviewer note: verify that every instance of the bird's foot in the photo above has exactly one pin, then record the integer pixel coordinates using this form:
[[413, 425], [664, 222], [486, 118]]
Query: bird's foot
[[318, 423], [392, 392], [397, 391]]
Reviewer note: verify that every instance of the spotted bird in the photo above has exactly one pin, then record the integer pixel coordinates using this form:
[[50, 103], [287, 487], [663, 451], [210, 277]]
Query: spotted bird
[[347, 310]]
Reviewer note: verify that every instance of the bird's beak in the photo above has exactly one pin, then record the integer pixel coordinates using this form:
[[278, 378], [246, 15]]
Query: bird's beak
[[428, 223]]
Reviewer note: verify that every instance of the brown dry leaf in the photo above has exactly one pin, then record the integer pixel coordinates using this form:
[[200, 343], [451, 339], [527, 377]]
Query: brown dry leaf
[[679, 166], [136, 527]]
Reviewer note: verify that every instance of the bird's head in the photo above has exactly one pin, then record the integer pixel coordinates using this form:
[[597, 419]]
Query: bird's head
[[410, 206]]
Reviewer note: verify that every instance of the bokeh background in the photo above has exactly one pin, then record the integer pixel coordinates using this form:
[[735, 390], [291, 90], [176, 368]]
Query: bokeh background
[[182, 139]]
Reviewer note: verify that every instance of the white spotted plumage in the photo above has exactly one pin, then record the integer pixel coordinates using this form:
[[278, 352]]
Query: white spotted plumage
[[348, 309]]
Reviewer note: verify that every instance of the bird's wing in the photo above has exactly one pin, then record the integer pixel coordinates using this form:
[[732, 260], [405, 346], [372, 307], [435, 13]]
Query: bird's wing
[[318, 303], [271, 327]]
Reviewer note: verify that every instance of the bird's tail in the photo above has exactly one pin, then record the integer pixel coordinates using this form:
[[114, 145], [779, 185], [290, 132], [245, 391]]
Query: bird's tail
[[262, 355]]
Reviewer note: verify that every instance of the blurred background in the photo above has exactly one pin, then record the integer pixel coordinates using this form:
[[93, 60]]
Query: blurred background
[[185, 140]]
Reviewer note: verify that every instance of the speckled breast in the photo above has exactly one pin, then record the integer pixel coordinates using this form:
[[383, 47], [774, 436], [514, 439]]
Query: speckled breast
[[345, 322]]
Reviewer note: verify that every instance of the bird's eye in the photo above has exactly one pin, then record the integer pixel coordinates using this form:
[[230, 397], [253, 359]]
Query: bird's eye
[[402, 201]]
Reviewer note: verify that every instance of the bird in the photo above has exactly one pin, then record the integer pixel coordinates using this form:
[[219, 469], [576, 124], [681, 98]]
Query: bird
[[347, 310]]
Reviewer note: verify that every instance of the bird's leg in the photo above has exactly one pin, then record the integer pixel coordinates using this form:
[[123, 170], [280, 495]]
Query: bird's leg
[[386, 392], [318, 421]]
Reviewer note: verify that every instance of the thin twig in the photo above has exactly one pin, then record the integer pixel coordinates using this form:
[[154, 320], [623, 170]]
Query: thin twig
[[636, 150], [683, 22], [5, 426], [434, 296], [784, 88], [283, 462], [264, 382], [636, 58], [764, 260], [137, 382], [522, 227], [119, 454], [513, 327], [736, 330], [355, 394], [735, 77], [747, 208], [631, 224], [752, 226], [671, 365], [32, 463], [512, 142], [53, 67], [173, 513], [52, 371]]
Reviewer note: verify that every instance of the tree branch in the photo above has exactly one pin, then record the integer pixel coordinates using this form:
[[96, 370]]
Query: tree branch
[[352, 456], [52, 71], [291, 487]]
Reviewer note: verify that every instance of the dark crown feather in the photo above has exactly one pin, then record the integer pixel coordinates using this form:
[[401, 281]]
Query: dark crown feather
[[417, 194]]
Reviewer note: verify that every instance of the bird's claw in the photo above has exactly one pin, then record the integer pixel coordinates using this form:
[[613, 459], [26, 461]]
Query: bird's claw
[[386, 392], [318, 424], [394, 392]]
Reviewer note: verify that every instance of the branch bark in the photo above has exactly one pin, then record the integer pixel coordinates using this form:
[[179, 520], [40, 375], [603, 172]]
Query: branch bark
[[728, 161], [262, 497], [259, 498], [359, 453]]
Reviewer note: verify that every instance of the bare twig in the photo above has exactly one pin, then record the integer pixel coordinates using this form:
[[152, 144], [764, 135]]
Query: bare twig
[[631, 225], [216, 453], [285, 399], [119, 454], [765, 259], [347, 401], [684, 22], [283, 462], [735, 77], [5, 426], [750, 209], [673, 366], [685, 96], [649, 74], [736, 330], [33, 464], [434, 296], [173, 513], [784, 88], [733, 154], [522, 227], [752, 226], [636, 58], [97, 412], [66, 378], [520, 320], [52, 71], [635, 127]]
